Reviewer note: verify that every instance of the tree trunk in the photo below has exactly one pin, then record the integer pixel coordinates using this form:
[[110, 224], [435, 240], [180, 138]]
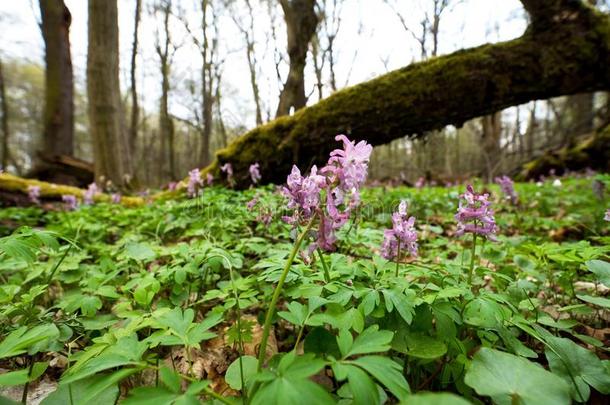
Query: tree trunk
[[59, 86], [301, 22], [207, 102], [110, 142], [568, 57], [135, 110], [583, 114], [492, 132], [4, 111], [166, 126]]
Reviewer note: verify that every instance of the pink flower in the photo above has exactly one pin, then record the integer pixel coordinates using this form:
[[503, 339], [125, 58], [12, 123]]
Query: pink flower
[[350, 164], [331, 193], [507, 186], [34, 194], [474, 215], [209, 179], [194, 183], [255, 173], [90, 193], [402, 237], [420, 182], [252, 203], [70, 201], [171, 186], [228, 170], [115, 198]]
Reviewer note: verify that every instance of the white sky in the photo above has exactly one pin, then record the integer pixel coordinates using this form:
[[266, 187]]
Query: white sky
[[382, 37]]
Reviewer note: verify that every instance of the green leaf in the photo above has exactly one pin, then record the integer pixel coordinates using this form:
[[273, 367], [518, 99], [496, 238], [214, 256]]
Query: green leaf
[[20, 377], [150, 395], [321, 342], [510, 379], [362, 387], [233, 374], [100, 389], [170, 379], [424, 346], [601, 269], [578, 366], [22, 339], [403, 304], [139, 251], [126, 351], [292, 385], [387, 372], [371, 340], [434, 398], [599, 301]]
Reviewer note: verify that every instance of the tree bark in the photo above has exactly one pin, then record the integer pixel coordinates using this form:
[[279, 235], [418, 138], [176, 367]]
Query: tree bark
[[59, 86], [166, 125], [110, 141], [4, 111], [570, 57], [135, 109], [301, 22]]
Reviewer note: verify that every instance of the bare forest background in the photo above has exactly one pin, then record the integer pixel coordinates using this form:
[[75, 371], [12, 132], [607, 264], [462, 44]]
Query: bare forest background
[[179, 98]]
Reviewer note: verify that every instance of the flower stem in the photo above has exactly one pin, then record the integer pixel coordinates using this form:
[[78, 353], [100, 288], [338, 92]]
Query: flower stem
[[397, 257], [324, 266], [472, 256], [276, 296]]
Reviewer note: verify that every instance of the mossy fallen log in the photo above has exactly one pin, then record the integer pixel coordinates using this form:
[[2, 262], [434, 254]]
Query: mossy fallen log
[[591, 152], [568, 53], [52, 192]]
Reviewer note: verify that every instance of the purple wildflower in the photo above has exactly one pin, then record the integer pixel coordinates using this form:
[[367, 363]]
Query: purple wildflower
[[607, 216], [89, 194], [475, 215], [303, 193], [194, 183], [70, 201], [420, 182], [172, 185], [252, 203], [209, 179], [508, 188], [227, 168], [402, 237], [255, 173], [330, 193], [34, 194], [115, 198]]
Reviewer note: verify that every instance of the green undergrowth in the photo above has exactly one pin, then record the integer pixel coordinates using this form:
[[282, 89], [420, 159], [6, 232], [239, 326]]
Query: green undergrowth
[[164, 303]]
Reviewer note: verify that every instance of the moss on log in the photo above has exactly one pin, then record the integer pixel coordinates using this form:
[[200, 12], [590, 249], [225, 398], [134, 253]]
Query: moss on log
[[570, 55], [51, 192], [592, 152]]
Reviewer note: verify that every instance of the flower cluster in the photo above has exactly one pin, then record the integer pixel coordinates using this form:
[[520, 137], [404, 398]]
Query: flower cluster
[[90, 193], [475, 215], [330, 193], [508, 188], [227, 169], [172, 185], [209, 179], [402, 237], [115, 198], [34, 194], [194, 183], [70, 201], [255, 173]]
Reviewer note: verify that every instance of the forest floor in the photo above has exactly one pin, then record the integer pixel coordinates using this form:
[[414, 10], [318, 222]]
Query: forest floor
[[166, 302]]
